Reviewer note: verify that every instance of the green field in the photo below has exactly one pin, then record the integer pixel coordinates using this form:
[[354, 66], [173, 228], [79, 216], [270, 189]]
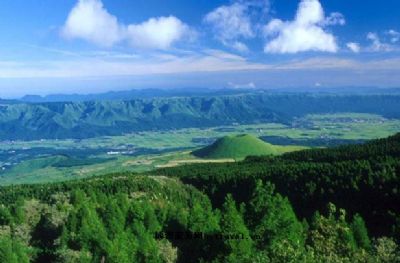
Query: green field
[[45, 160]]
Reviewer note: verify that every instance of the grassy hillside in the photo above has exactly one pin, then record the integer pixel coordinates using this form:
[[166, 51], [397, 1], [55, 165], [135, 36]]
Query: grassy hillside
[[241, 146], [237, 147]]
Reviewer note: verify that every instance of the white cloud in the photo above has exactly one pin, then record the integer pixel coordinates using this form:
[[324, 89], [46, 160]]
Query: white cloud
[[376, 44], [207, 65], [305, 33], [320, 63], [240, 46], [335, 18], [158, 33], [249, 85], [233, 23], [103, 66], [394, 35], [355, 47], [90, 21], [332, 63], [230, 22], [223, 55]]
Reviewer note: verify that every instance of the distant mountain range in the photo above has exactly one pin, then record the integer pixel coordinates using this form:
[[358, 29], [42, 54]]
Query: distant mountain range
[[58, 120], [190, 92], [132, 94]]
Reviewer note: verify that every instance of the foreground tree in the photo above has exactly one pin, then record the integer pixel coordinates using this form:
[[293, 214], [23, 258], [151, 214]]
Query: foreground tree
[[331, 238], [273, 220], [360, 233], [236, 237]]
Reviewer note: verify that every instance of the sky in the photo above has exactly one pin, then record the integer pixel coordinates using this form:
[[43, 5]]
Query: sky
[[89, 46]]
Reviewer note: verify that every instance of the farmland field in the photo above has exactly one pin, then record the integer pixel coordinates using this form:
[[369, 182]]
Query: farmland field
[[44, 160]]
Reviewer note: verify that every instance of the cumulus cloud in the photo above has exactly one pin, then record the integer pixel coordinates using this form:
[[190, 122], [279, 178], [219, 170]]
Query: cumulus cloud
[[159, 33], [90, 21], [355, 47], [394, 35], [376, 44], [231, 23], [305, 33]]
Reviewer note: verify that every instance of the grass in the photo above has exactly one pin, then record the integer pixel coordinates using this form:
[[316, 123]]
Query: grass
[[45, 169], [236, 147], [358, 126]]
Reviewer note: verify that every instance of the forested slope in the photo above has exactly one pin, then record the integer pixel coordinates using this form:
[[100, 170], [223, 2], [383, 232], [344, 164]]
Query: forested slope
[[110, 219], [363, 179], [90, 119], [308, 206]]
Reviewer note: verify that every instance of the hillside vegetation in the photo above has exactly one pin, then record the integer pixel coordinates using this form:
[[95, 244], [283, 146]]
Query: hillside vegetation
[[58, 120], [236, 147], [313, 206], [361, 178]]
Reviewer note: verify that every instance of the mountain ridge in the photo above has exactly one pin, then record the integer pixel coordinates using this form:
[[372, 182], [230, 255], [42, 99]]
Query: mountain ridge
[[61, 120]]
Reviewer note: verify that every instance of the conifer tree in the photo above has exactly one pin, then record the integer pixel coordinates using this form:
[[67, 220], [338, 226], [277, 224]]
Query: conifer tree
[[360, 232], [272, 218], [237, 241]]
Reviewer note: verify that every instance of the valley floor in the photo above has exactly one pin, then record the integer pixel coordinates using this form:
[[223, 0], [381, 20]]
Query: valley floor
[[59, 160]]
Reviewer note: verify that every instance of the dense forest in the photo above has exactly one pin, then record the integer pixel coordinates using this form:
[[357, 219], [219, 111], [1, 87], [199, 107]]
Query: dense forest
[[322, 205], [362, 179], [60, 120]]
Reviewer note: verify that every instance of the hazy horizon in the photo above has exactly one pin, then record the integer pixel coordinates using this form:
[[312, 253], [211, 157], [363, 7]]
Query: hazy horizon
[[347, 89], [92, 46]]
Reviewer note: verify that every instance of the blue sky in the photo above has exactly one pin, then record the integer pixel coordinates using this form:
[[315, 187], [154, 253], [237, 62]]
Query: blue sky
[[85, 46]]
